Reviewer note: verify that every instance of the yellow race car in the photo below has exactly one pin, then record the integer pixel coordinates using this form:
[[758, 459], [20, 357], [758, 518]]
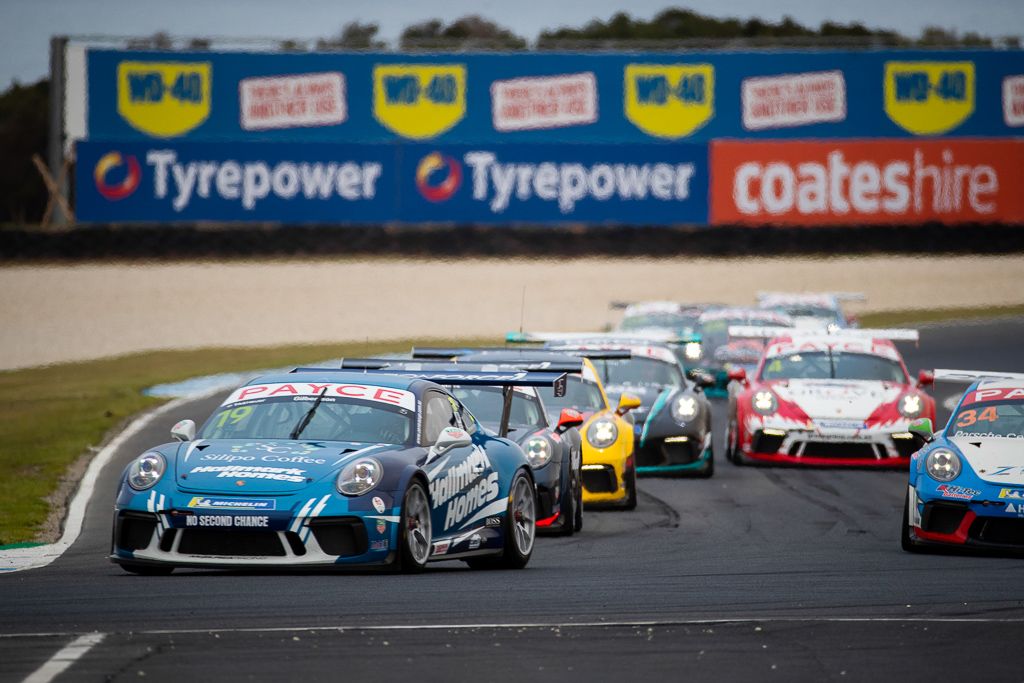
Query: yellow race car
[[609, 467]]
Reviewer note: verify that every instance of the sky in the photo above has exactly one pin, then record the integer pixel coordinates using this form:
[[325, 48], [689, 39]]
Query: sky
[[26, 25]]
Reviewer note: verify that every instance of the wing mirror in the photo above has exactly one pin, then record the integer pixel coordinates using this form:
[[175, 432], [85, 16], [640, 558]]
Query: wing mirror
[[569, 418], [922, 431], [184, 430], [451, 437], [925, 378], [700, 378], [627, 402], [737, 375]]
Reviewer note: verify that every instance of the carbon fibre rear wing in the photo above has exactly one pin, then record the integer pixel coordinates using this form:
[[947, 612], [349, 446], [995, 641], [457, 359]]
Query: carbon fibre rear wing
[[838, 296], [970, 376], [450, 353], [767, 332], [640, 337], [567, 365]]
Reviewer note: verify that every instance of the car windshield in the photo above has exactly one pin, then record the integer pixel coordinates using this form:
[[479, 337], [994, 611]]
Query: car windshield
[[990, 418], [638, 371], [579, 394], [672, 321], [335, 419], [804, 311], [715, 333], [486, 403], [835, 365]]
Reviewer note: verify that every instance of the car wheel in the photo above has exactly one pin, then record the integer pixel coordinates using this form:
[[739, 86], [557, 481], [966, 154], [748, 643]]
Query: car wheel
[[147, 569], [567, 505], [520, 528], [709, 468], [631, 488], [906, 542], [415, 530]]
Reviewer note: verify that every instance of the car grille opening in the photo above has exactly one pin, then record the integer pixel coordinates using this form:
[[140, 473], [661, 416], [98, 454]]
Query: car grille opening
[[341, 536], [998, 530], [135, 530], [942, 518], [836, 449], [231, 543], [661, 453], [766, 443], [600, 479], [906, 447]]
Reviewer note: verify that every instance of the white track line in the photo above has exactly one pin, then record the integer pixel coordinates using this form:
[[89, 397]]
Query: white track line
[[39, 556], [57, 664], [341, 628]]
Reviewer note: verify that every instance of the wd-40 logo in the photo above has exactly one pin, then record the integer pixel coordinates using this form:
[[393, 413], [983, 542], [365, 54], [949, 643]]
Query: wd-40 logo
[[164, 99], [438, 177], [419, 101], [117, 177], [670, 101], [929, 98]]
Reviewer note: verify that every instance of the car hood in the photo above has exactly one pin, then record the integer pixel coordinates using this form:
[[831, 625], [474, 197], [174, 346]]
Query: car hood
[[995, 459], [248, 466], [827, 399]]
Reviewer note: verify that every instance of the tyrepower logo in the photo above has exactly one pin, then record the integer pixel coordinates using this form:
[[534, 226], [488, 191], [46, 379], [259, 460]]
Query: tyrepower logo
[[116, 177], [852, 183], [438, 177]]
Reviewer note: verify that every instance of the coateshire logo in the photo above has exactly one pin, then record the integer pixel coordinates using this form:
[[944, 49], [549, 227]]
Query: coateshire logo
[[438, 177], [122, 189]]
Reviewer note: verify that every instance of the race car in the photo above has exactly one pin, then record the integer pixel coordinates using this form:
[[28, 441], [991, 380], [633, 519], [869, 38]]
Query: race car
[[812, 310], [672, 426], [328, 469], [826, 399], [721, 353], [966, 486], [553, 448], [609, 466], [678, 319]]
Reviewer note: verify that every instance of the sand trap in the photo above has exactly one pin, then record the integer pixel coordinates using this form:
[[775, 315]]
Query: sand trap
[[72, 312]]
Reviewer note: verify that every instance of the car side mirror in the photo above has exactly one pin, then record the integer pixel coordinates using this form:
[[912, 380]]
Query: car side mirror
[[451, 437], [921, 429], [700, 378], [737, 375], [569, 418], [925, 378], [184, 430], [627, 402]]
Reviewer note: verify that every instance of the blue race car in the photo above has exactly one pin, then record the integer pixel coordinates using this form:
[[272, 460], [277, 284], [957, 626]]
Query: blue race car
[[967, 482], [323, 468]]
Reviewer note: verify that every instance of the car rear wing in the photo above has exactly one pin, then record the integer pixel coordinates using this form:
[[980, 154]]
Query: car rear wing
[[453, 353], [838, 296], [640, 337], [970, 376], [452, 374], [568, 366], [766, 332]]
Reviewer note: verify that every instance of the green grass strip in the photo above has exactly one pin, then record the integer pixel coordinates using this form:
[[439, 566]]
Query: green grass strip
[[918, 316]]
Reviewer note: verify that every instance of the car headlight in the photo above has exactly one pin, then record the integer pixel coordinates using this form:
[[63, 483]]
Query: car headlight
[[942, 465], [146, 471], [538, 451], [910, 405], [602, 433], [692, 351], [684, 408], [359, 477], [764, 402]]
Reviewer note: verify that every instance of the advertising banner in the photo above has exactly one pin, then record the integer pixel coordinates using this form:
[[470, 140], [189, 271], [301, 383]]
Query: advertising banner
[[867, 182], [413, 183]]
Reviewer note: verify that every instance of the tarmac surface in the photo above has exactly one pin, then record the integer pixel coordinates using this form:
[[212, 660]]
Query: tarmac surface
[[755, 574]]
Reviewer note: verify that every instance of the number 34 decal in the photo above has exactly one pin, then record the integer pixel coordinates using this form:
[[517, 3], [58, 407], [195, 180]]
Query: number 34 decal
[[969, 417]]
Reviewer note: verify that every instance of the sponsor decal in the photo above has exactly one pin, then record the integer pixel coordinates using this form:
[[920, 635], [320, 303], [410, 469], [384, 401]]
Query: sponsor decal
[[474, 541], [380, 544], [1013, 101], [1006, 471], [464, 488], [497, 183], [1014, 494], [669, 100], [419, 101], [1016, 509], [793, 100], [438, 177], [382, 526], [957, 492], [492, 522], [296, 101], [441, 547], [125, 170], [245, 521], [378, 504], [852, 183], [164, 99], [240, 472], [983, 395], [840, 424], [929, 98], [544, 102], [233, 503], [396, 397]]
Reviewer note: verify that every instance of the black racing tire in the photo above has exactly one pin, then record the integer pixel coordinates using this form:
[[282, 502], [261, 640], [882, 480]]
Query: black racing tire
[[577, 520], [731, 443], [146, 569], [520, 528], [567, 503], [414, 532], [630, 483], [708, 470], [906, 542]]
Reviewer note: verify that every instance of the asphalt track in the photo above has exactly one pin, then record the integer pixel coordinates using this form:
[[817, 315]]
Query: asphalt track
[[756, 574]]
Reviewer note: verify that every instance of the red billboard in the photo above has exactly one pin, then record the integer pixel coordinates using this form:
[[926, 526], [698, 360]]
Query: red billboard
[[867, 182]]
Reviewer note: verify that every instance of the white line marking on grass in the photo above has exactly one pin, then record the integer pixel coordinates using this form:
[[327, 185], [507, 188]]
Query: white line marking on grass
[[57, 664]]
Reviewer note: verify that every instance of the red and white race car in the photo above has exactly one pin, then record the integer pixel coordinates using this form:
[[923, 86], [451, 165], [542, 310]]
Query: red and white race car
[[818, 398]]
